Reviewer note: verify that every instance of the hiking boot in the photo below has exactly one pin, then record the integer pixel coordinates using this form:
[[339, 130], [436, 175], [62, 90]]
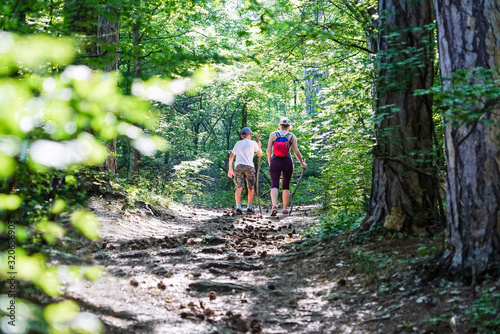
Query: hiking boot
[[250, 211], [274, 210], [285, 212], [238, 211]]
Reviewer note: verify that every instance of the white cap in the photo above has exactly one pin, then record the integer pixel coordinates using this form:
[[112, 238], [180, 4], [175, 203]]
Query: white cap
[[285, 121]]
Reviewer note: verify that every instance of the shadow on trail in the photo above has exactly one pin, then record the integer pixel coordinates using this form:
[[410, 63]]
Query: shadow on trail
[[202, 271]]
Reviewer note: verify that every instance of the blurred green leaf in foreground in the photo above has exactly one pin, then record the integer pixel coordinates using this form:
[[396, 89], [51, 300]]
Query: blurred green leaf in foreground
[[54, 121]]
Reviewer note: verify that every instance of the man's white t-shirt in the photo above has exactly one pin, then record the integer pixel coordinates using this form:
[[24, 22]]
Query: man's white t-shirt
[[244, 151]]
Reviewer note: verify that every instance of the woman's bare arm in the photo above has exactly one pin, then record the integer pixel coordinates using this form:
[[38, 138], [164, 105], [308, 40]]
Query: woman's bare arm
[[270, 147], [297, 152]]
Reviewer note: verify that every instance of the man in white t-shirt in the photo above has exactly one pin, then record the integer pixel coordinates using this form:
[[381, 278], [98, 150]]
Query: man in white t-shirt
[[244, 170]]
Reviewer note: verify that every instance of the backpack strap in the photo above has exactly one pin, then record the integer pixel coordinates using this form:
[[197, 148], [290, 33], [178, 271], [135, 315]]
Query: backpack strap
[[278, 134]]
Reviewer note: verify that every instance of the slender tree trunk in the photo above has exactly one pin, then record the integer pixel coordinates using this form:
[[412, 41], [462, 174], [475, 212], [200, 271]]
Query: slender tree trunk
[[135, 156], [229, 127], [111, 164], [108, 35], [313, 88], [404, 194], [196, 138], [19, 12], [136, 36], [244, 115], [469, 34]]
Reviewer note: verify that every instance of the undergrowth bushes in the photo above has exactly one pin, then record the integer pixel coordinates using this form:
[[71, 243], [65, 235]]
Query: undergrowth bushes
[[485, 313], [337, 222]]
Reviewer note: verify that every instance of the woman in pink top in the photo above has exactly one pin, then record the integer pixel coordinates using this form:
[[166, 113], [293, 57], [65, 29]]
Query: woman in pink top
[[280, 162]]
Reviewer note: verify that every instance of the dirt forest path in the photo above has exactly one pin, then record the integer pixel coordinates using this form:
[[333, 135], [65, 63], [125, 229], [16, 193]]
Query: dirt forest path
[[189, 270]]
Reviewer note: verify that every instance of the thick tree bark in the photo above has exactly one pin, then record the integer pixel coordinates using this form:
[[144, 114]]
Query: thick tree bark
[[469, 37], [108, 35], [99, 28], [404, 188]]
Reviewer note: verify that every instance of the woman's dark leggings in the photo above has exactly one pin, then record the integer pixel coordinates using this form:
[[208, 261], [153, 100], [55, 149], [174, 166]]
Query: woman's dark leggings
[[281, 165]]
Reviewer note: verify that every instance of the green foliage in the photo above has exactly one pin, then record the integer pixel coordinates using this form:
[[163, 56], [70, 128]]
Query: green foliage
[[147, 192], [167, 38], [427, 251], [189, 181], [440, 319], [401, 62], [310, 190], [172, 38], [222, 198], [363, 263], [55, 118], [338, 222], [320, 37], [342, 139], [485, 313], [467, 96]]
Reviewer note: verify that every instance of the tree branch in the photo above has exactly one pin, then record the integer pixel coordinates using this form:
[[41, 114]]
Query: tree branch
[[345, 44], [160, 37]]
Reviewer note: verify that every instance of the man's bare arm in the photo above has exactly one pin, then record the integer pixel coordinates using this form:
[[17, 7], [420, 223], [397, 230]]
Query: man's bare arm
[[230, 172]]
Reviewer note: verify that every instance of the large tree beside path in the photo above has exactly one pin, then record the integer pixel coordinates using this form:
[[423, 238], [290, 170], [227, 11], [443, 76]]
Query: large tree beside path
[[469, 38], [404, 184]]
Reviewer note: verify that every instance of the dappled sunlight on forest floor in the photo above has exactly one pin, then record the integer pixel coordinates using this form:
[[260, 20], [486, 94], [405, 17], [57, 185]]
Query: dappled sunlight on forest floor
[[187, 270]]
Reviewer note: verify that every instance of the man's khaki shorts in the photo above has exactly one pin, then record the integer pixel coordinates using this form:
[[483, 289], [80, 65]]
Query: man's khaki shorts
[[242, 173]]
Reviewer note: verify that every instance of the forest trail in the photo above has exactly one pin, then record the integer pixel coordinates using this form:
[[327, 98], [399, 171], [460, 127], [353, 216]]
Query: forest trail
[[188, 270]]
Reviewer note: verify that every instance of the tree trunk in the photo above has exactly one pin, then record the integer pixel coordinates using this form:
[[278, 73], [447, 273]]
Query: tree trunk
[[244, 115], [80, 18], [404, 186], [196, 131], [108, 36], [19, 14], [313, 89], [111, 164], [136, 35], [294, 96], [469, 38], [229, 128], [135, 156]]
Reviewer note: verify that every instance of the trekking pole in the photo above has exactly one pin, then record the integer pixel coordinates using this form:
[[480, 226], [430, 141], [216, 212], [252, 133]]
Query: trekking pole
[[296, 187], [257, 185]]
